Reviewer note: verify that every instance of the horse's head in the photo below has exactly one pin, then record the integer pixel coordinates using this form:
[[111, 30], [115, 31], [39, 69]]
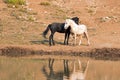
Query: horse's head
[[75, 19], [67, 23]]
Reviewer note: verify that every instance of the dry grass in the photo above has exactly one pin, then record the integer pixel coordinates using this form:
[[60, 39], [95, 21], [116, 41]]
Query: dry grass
[[45, 3], [15, 2]]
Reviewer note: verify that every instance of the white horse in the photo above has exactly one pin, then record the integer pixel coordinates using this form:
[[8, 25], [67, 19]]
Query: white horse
[[77, 30]]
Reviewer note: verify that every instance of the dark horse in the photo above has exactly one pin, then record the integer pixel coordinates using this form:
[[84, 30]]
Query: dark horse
[[58, 27]]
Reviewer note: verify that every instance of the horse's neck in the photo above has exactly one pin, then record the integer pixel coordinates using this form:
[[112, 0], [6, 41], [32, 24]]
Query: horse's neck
[[73, 27], [74, 24]]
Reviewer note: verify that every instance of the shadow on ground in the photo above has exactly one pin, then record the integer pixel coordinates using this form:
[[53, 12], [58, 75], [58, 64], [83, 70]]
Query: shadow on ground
[[39, 42], [45, 42]]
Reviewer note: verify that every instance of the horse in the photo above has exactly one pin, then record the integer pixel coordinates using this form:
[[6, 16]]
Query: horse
[[58, 27], [77, 30]]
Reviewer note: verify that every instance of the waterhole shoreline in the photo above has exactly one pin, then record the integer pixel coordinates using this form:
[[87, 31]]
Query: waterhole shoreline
[[96, 53]]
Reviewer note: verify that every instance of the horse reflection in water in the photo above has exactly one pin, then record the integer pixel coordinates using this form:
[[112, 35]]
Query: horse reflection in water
[[77, 74], [66, 74]]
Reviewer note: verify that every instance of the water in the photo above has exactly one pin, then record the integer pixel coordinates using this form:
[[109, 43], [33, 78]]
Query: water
[[58, 69]]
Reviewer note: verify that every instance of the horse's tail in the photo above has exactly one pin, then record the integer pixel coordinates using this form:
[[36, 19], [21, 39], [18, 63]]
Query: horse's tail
[[46, 31]]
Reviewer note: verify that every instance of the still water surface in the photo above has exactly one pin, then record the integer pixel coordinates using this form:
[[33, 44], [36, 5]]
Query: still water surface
[[58, 69]]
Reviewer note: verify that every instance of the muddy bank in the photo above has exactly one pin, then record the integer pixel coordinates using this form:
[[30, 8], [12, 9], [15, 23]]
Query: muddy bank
[[103, 53]]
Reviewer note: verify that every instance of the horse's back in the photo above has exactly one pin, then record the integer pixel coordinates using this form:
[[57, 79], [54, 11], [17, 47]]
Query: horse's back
[[58, 27], [55, 24], [82, 26], [81, 29]]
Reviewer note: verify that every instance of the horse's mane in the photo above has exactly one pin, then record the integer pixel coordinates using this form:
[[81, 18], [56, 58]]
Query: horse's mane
[[72, 22]]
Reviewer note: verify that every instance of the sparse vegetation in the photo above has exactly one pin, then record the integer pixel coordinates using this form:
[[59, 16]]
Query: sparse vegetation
[[60, 10], [31, 18], [105, 19], [1, 30], [109, 18], [12, 6], [15, 2], [29, 12], [45, 3], [24, 14], [24, 10], [91, 10]]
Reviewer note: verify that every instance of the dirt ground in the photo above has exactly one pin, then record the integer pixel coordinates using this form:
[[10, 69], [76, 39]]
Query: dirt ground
[[24, 37]]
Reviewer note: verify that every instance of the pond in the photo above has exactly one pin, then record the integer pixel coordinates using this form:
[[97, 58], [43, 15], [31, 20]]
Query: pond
[[65, 68]]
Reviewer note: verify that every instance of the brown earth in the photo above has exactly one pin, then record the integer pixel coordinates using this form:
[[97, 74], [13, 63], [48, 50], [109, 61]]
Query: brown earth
[[103, 53], [101, 17]]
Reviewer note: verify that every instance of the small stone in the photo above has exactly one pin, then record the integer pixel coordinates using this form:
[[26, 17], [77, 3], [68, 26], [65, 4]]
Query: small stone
[[114, 32]]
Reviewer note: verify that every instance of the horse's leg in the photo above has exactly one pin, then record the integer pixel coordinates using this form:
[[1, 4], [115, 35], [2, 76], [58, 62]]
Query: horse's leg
[[80, 39], [50, 39], [65, 38], [86, 34], [68, 35], [53, 39]]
